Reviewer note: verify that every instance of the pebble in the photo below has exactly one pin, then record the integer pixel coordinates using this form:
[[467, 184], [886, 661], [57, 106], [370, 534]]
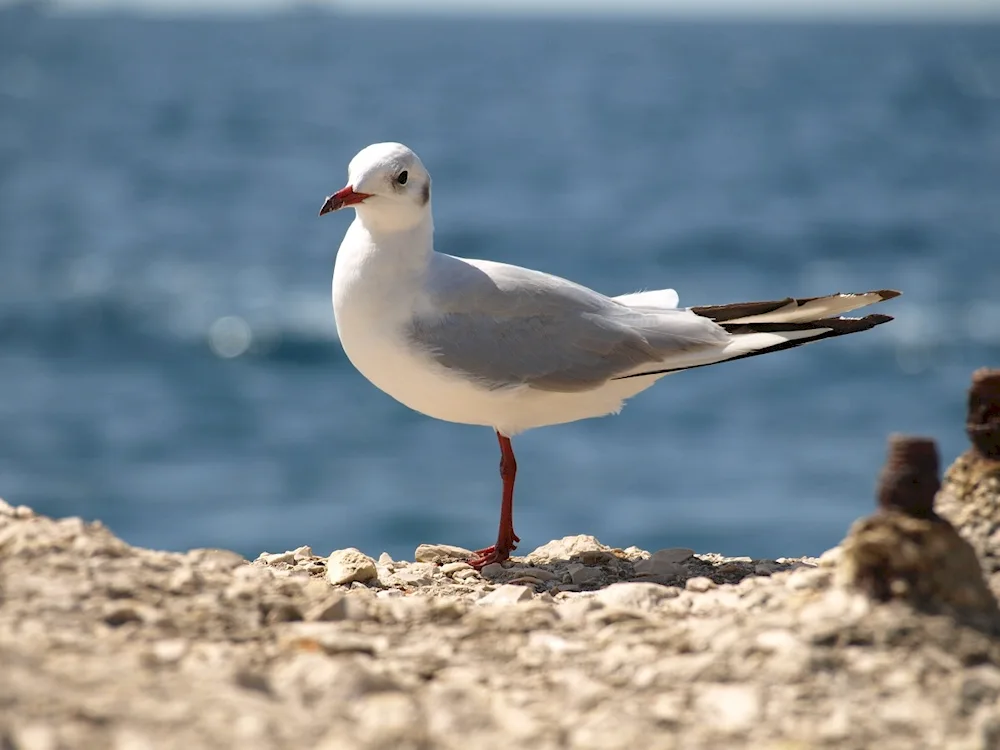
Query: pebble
[[493, 570], [699, 584], [276, 558], [449, 569], [634, 595], [665, 563], [582, 575], [507, 594], [416, 574], [169, 651], [349, 565], [439, 553], [729, 709], [541, 574], [35, 737], [674, 554]]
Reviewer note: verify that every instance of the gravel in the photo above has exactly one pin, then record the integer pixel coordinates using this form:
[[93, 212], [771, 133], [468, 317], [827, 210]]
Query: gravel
[[890, 640]]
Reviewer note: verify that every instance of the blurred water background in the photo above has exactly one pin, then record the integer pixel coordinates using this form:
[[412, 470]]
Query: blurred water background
[[168, 355]]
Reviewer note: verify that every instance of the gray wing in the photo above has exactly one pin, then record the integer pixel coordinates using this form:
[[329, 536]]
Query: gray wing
[[506, 326]]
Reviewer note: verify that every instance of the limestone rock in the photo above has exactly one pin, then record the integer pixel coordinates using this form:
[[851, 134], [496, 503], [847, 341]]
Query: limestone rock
[[583, 547], [440, 553], [348, 565]]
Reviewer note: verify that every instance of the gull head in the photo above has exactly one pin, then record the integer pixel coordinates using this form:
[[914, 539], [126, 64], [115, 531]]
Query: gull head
[[387, 184]]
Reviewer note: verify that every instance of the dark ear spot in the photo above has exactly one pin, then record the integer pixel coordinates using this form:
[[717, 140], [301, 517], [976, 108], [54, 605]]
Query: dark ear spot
[[425, 193]]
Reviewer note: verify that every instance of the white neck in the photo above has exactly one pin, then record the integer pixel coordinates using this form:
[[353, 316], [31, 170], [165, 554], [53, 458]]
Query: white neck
[[380, 271]]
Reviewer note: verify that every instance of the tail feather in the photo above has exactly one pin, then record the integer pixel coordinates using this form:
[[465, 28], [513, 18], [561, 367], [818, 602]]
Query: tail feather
[[765, 327], [790, 310]]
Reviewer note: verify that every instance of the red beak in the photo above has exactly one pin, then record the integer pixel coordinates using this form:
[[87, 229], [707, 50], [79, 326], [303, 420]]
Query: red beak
[[343, 197]]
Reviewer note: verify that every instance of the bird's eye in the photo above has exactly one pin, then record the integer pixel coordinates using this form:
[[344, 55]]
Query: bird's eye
[[402, 177]]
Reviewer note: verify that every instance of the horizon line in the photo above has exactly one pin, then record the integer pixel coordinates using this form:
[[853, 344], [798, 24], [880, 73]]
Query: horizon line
[[849, 11]]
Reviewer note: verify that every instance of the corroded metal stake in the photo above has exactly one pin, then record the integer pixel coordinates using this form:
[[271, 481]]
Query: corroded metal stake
[[983, 423], [909, 479]]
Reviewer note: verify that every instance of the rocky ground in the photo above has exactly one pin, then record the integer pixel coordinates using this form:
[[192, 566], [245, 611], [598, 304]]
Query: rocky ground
[[575, 645]]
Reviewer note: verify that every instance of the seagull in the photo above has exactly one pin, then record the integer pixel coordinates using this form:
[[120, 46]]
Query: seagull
[[486, 343]]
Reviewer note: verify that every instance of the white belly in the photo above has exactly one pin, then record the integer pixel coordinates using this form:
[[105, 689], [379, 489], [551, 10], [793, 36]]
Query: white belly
[[415, 380]]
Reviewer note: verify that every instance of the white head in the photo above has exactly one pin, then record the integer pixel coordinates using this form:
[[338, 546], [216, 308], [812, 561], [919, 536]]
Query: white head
[[388, 186]]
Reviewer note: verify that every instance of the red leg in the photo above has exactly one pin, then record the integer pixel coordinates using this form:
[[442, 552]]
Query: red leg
[[506, 538]]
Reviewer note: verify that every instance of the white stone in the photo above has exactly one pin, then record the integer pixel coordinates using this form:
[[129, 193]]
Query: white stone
[[438, 553], [728, 708], [170, 651], [279, 557], [449, 569], [633, 595], [566, 548], [507, 594], [348, 565], [699, 584], [416, 574], [778, 640]]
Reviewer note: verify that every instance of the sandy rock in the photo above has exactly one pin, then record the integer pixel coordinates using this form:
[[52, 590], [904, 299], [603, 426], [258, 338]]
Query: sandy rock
[[348, 565]]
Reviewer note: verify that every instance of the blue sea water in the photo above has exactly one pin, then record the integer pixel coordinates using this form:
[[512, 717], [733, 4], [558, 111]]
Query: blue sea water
[[168, 355]]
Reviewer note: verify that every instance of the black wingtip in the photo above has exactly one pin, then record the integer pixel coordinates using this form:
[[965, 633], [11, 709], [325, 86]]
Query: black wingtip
[[888, 294]]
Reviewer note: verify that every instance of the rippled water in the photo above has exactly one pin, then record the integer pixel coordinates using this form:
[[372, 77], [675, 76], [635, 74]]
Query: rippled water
[[168, 357]]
